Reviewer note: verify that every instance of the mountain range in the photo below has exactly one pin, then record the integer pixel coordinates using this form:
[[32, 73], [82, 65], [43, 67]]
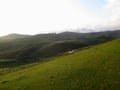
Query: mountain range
[[25, 47]]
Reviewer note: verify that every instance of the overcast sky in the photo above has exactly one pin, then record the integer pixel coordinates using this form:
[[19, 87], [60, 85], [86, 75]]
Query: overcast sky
[[44, 16]]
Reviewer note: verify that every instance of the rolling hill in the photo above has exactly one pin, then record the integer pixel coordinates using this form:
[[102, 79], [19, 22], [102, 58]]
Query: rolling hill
[[96, 68], [11, 37], [53, 37], [24, 47]]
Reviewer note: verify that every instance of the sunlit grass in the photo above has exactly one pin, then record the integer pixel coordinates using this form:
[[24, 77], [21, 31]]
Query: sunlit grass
[[97, 68]]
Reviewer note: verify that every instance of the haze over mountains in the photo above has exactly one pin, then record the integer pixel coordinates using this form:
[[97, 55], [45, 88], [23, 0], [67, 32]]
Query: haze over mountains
[[66, 35], [13, 36]]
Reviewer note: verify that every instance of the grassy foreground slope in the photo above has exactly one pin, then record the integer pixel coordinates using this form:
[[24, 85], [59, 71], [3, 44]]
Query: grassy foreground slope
[[97, 68]]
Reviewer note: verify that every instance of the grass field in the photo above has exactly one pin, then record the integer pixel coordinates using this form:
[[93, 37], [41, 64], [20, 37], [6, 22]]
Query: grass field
[[10, 65], [97, 68]]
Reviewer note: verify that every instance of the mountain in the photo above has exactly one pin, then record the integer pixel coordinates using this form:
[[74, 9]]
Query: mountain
[[73, 36], [11, 37], [52, 37], [49, 45], [96, 68]]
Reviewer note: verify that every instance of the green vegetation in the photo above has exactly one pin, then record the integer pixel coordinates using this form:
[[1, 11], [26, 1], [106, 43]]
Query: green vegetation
[[8, 65], [97, 68], [28, 48]]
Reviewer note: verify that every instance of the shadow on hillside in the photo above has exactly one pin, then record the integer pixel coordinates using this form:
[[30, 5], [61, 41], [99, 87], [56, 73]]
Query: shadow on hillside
[[9, 64], [13, 63]]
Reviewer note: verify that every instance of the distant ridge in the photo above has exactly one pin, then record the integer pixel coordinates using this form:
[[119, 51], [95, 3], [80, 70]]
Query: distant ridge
[[60, 36], [13, 36]]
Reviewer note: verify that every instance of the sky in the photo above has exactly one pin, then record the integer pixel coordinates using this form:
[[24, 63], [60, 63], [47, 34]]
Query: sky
[[50, 16]]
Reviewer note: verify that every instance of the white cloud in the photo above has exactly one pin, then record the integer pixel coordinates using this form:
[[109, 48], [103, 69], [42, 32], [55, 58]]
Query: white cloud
[[39, 16], [112, 12]]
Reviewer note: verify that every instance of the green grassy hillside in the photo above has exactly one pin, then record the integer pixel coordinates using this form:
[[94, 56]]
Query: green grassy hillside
[[97, 68]]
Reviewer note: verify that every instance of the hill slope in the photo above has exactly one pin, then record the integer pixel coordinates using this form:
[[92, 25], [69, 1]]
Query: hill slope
[[47, 45], [11, 37], [97, 68], [53, 37]]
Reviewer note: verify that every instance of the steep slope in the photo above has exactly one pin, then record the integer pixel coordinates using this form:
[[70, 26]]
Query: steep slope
[[97, 68]]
